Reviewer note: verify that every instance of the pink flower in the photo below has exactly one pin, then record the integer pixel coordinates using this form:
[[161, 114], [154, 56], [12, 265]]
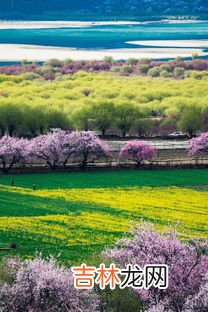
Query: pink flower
[[199, 145], [188, 266], [137, 151]]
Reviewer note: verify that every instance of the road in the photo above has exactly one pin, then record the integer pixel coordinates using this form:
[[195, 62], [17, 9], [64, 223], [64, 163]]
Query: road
[[116, 145]]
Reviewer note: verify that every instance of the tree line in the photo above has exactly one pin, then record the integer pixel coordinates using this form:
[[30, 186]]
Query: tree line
[[138, 9], [59, 148], [105, 117], [104, 102]]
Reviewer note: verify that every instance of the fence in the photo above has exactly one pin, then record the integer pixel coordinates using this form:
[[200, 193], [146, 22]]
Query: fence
[[116, 165]]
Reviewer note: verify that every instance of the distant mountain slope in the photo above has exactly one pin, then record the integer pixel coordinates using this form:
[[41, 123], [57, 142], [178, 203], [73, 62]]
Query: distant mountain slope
[[17, 9]]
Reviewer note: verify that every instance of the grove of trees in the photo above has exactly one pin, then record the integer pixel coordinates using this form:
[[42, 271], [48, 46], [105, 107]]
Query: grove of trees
[[105, 102]]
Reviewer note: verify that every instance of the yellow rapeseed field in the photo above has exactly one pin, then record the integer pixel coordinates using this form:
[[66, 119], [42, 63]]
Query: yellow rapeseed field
[[113, 211]]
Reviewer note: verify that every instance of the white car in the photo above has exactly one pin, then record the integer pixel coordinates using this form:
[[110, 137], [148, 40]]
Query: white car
[[176, 134]]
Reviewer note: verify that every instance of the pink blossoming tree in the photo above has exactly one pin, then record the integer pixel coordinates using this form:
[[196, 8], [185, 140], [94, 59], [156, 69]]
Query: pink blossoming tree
[[48, 147], [41, 286], [86, 146], [187, 262], [137, 151], [12, 151], [59, 146], [199, 145]]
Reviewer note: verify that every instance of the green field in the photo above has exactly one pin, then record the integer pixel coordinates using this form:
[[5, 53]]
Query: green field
[[79, 214], [124, 178]]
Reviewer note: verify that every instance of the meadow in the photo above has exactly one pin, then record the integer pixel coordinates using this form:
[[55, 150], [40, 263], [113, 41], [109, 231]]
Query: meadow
[[76, 215]]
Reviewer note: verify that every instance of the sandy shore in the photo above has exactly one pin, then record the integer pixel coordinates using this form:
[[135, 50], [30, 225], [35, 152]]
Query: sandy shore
[[16, 52], [72, 24], [57, 24], [172, 43]]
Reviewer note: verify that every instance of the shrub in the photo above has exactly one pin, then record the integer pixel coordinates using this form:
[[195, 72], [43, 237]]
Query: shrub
[[165, 67], [199, 65], [154, 72], [30, 76], [165, 74], [144, 61], [126, 69], [179, 59], [68, 61], [54, 63], [132, 61], [143, 68], [179, 72], [108, 59], [195, 56]]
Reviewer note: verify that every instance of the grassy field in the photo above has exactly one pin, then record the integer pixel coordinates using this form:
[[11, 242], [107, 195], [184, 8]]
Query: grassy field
[[78, 214]]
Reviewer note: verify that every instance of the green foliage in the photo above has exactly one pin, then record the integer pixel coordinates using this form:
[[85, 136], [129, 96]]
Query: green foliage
[[126, 69], [143, 68], [125, 117], [195, 56], [165, 74], [103, 115], [54, 63], [179, 72], [24, 62], [179, 59], [56, 119], [144, 61], [191, 121], [30, 105], [121, 300], [108, 59], [82, 119], [154, 72], [132, 61], [144, 126], [165, 67]]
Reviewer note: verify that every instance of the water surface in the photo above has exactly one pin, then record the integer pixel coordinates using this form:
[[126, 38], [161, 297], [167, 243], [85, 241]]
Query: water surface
[[104, 37]]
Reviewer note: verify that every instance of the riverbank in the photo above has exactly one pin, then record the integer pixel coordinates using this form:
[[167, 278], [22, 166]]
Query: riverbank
[[18, 52], [203, 43], [4, 24]]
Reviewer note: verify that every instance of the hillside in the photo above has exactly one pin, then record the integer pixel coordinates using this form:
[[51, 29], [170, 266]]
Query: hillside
[[99, 9]]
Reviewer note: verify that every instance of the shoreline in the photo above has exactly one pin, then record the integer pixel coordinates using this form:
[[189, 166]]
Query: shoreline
[[189, 43], [8, 24], [18, 52]]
